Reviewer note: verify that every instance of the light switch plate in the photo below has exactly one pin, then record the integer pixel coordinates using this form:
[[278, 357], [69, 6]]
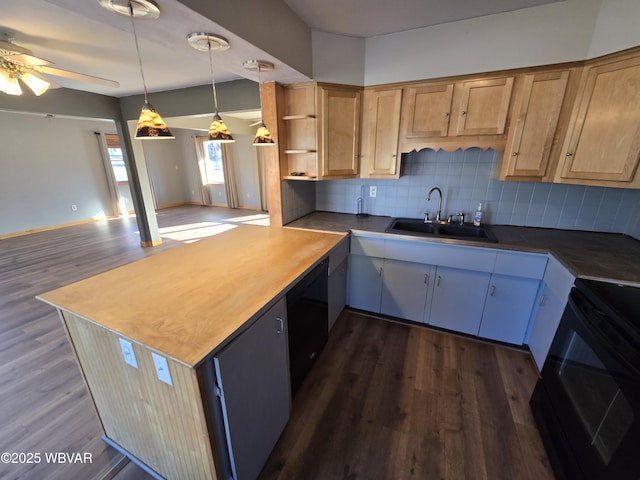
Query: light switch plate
[[162, 368], [128, 353]]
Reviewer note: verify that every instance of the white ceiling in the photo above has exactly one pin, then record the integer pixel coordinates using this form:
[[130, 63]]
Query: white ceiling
[[83, 37], [368, 18]]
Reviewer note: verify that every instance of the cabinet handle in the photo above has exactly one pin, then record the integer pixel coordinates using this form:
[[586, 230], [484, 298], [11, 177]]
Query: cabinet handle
[[380, 272], [493, 290], [515, 154], [569, 154], [439, 280], [446, 114], [280, 327], [426, 278], [393, 156], [463, 113], [543, 300]]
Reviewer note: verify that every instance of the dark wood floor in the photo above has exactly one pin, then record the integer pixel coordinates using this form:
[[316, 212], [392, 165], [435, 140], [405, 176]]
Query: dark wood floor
[[385, 401], [44, 406], [391, 401]]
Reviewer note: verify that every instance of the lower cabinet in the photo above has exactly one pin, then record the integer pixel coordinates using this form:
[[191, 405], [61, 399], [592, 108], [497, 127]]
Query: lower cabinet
[[255, 366], [458, 299], [472, 290], [406, 289], [365, 282], [508, 308]]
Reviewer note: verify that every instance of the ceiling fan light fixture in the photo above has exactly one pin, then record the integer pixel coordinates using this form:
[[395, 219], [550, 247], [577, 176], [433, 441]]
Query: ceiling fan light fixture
[[37, 85], [151, 125], [9, 82]]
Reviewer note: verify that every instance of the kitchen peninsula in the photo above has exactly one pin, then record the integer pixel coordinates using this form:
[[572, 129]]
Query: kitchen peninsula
[[146, 336]]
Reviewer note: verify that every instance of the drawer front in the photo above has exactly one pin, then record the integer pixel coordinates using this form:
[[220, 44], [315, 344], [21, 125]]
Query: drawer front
[[338, 255], [521, 264], [369, 246], [454, 256]]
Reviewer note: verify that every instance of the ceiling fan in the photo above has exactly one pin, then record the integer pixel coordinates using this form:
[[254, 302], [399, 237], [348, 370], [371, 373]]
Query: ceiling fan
[[19, 63]]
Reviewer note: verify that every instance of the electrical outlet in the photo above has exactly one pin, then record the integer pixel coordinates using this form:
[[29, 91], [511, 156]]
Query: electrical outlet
[[128, 353], [162, 368], [373, 191]]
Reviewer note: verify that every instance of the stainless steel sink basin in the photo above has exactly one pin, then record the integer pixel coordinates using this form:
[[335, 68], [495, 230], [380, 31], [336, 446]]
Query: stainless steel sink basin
[[416, 226]]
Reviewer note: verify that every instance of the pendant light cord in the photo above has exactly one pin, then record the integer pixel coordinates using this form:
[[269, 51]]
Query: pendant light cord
[[213, 82], [133, 26]]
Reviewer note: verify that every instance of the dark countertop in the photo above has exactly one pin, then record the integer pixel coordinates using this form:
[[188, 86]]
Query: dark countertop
[[602, 256]]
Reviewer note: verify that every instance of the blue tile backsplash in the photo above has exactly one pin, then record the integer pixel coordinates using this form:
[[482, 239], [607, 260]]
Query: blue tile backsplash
[[467, 177]]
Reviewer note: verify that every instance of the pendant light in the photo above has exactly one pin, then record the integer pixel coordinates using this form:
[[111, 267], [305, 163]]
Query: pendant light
[[263, 136], [208, 42], [150, 124]]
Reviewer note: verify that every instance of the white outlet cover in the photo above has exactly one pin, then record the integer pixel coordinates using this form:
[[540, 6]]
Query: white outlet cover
[[162, 368], [128, 353]]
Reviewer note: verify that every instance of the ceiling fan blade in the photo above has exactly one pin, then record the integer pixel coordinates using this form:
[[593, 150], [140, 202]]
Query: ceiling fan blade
[[51, 83], [30, 60], [8, 49], [56, 72]]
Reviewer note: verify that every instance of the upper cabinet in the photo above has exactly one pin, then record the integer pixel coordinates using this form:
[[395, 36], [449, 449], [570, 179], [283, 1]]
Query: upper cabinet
[[602, 146], [322, 131], [380, 127], [539, 99], [456, 114]]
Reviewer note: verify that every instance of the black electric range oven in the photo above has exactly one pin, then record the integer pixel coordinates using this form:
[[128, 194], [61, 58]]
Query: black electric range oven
[[587, 401]]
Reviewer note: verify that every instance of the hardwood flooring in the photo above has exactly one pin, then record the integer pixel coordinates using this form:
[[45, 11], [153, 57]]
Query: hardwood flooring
[[391, 401], [44, 405]]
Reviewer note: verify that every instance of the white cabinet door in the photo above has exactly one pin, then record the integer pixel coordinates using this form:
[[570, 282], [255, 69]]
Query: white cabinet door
[[253, 375], [458, 299], [365, 282], [557, 285], [405, 288], [507, 310]]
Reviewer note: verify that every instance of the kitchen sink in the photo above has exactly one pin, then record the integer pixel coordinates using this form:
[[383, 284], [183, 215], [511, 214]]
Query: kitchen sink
[[418, 227]]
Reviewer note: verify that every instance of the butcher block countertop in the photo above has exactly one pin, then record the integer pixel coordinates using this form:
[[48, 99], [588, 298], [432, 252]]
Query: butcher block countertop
[[189, 301]]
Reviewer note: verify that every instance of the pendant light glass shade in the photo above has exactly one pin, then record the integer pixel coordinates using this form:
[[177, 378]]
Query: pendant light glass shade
[[218, 131], [37, 85], [263, 136], [151, 125]]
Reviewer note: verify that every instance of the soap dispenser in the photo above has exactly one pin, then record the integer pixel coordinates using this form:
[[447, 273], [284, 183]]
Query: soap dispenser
[[477, 218]]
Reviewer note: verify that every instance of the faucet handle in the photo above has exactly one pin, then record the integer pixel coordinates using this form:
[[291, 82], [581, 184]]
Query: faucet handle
[[426, 217]]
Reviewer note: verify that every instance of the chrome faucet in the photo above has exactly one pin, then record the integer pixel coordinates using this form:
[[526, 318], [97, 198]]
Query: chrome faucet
[[439, 212]]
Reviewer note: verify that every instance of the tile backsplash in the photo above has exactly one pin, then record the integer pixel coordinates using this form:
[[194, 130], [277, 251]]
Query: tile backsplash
[[467, 178]]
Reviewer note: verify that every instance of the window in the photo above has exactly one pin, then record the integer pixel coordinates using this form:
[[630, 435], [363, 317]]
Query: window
[[115, 156], [212, 171]]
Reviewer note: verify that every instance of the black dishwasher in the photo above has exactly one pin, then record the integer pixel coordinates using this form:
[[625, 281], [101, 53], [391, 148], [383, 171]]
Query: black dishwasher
[[308, 319]]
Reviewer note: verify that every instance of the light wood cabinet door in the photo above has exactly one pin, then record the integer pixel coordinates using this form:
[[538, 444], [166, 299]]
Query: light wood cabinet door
[[380, 129], [481, 107], [340, 114], [537, 107], [426, 110], [603, 142]]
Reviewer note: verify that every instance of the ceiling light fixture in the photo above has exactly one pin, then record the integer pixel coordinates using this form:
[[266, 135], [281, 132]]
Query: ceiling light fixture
[[263, 136], [208, 42], [150, 124], [10, 73]]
